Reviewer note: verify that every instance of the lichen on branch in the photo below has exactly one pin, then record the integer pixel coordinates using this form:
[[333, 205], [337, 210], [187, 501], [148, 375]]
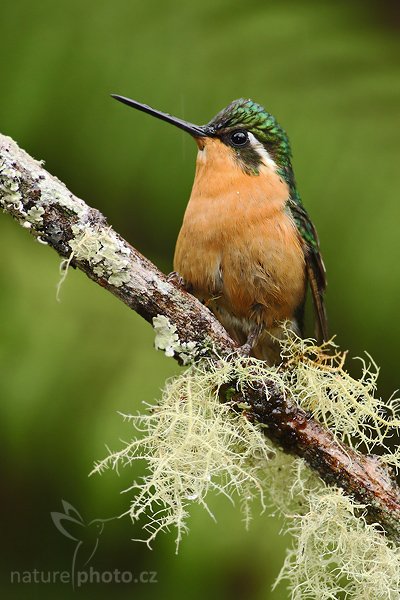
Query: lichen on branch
[[309, 409], [193, 444], [197, 441]]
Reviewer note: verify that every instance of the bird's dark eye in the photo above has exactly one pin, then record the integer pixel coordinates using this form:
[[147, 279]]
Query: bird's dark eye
[[239, 138]]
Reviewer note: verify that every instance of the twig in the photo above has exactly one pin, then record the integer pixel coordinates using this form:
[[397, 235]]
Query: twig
[[81, 235]]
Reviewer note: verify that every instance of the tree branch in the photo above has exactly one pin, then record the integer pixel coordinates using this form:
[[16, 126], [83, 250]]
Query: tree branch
[[81, 235]]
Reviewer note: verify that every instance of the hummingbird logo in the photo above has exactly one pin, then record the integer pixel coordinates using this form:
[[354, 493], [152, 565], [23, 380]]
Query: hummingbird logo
[[85, 534]]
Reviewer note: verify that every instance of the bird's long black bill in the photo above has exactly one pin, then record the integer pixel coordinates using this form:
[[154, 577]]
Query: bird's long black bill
[[195, 130]]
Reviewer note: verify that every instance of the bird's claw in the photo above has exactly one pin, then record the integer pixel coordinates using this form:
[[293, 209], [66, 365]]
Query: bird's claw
[[245, 350], [251, 341], [176, 279]]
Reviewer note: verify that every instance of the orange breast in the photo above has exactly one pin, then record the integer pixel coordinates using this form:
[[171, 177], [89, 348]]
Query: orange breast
[[238, 246]]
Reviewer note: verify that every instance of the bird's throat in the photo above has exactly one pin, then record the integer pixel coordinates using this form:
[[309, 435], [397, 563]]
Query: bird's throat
[[220, 181]]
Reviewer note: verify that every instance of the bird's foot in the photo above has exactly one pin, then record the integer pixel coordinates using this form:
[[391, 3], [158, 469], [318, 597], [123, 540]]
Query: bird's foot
[[176, 279], [245, 350], [251, 341]]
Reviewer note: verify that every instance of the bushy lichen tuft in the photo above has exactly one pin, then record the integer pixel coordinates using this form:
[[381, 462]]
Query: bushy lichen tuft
[[336, 552], [317, 378], [194, 444]]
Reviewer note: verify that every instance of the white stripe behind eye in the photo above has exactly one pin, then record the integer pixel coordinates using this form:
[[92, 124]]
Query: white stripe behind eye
[[266, 158]]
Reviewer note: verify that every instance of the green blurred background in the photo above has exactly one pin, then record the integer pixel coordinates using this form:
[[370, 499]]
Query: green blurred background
[[329, 70]]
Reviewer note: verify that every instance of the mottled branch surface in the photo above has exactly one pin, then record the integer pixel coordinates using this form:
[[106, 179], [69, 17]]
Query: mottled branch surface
[[81, 235]]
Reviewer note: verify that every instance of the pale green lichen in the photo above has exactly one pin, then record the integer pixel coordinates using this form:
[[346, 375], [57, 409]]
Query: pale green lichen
[[53, 191], [14, 162], [337, 554], [318, 379], [103, 250], [392, 458], [35, 215], [167, 339], [10, 196], [96, 244], [194, 445]]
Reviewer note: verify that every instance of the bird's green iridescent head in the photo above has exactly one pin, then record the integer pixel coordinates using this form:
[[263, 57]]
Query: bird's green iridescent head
[[253, 134]]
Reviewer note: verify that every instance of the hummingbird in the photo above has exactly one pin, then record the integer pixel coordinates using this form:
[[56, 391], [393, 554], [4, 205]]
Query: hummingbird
[[247, 247]]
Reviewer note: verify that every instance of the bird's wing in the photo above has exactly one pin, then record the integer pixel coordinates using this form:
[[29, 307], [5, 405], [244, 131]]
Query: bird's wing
[[314, 264]]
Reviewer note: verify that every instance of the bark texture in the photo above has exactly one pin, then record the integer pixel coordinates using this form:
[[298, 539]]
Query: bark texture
[[80, 234]]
